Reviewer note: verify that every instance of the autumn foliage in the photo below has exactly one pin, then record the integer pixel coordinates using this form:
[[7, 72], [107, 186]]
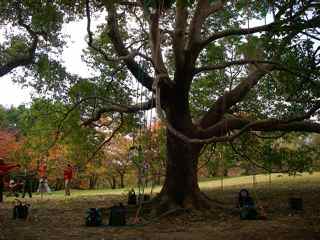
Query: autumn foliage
[[8, 143]]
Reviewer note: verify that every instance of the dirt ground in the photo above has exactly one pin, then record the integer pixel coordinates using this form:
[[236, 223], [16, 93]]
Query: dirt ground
[[53, 219]]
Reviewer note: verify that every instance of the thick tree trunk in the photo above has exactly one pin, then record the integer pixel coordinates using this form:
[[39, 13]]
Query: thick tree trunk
[[181, 187]]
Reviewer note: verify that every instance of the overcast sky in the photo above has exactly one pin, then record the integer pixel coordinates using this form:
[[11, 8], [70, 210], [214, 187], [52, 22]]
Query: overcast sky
[[14, 94]]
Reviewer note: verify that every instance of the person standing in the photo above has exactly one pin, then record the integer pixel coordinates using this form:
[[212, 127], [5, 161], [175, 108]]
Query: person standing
[[42, 171], [67, 175], [27, 184], [43, 180], [44, 186]]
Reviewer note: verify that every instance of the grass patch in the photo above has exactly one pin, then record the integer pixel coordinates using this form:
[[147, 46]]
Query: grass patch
[[277, 180], [262, 180]]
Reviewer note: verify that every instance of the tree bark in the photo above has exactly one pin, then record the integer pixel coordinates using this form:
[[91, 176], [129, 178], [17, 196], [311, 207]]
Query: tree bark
[[181, 187]]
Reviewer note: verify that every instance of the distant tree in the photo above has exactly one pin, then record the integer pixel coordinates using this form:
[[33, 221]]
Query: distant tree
[[8, 143], [116, 157], [289, 153]]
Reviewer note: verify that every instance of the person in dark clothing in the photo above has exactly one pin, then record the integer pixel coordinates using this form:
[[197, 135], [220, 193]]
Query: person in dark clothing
[[247, 206], [27, 184], [244, 199]]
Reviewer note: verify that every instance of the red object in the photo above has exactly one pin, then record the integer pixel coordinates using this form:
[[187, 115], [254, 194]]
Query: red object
[[5, 168], [67, 173], [42, 170]]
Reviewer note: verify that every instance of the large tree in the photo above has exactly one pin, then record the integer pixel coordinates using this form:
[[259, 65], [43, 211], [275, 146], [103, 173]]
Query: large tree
[[214, 69]]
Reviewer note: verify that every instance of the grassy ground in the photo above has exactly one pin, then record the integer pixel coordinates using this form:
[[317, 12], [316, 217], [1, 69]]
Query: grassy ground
[[262, 180], [55, 217]]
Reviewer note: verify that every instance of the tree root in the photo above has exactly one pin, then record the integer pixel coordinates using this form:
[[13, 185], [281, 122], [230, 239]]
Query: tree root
[[200, 205]]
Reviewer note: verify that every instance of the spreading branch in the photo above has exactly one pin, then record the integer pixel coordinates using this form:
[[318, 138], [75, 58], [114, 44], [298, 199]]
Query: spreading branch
[[234, 96], [235, 63], [155, 42], [275, 27], [115, 36], [99, 50], [203, 10], [110, 107], [227, 125], [113, 107], [106, 141], [259, 125], [240, 126]]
